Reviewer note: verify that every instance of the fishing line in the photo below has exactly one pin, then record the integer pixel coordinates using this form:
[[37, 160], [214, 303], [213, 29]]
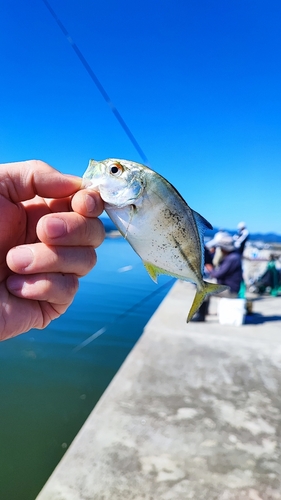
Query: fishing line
[[90, 339], [97, 83], [122, 316]]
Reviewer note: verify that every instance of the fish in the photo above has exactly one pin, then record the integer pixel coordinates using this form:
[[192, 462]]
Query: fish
[[156, 221]]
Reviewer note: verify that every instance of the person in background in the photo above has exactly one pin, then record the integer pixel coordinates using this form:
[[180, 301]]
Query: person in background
[[212, 247], [241, 237], [229, 271], [49, 230], [270, 279]]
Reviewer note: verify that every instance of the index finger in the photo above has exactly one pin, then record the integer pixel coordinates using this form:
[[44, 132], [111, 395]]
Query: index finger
[[23, 180]]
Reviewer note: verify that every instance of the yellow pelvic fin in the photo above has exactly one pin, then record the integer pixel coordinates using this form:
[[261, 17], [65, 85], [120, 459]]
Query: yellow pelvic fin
[[209, 288], [152, 270]]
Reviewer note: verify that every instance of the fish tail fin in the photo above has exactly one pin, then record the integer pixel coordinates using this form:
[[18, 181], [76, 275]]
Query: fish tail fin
[[208, 289]]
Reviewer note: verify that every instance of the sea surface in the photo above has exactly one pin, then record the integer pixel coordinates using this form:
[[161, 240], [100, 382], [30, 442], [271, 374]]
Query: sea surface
[[50, 380]]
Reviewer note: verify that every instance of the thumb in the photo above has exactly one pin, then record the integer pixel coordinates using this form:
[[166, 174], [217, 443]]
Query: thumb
[[23, 180]]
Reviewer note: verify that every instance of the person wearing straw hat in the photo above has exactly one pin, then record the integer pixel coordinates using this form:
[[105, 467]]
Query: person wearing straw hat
[[229, 271]]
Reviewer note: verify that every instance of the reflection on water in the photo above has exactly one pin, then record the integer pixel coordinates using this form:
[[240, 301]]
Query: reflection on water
[[50, 380]]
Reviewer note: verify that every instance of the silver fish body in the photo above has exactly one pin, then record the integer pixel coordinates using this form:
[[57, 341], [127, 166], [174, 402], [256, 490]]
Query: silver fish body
[[157, 222]]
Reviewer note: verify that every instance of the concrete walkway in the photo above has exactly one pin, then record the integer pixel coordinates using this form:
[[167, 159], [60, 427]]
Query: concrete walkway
[[193, 413]]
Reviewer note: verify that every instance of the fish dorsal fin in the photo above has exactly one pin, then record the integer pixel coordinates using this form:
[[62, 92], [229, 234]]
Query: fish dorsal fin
[[202, 223]]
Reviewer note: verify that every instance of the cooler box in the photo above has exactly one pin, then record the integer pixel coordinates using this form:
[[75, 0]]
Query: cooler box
[[231, 311]]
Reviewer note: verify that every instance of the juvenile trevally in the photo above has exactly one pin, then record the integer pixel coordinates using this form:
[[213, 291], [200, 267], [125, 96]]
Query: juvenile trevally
[[150, 213]]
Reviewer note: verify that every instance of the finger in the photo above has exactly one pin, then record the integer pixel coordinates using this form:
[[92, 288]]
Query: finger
[[87, 203], [55, 288], [19, 315], [23, 180], [70, 229], [39, 258]]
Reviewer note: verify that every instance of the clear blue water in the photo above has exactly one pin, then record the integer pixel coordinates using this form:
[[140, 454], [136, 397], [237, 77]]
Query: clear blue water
[[48, 386]]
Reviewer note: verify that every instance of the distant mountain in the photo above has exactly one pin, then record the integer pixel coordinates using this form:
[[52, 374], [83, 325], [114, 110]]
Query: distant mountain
[[265, 237]]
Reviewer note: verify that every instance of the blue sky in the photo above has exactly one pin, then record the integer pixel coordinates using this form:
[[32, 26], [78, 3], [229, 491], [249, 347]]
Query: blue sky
[[197, 82]]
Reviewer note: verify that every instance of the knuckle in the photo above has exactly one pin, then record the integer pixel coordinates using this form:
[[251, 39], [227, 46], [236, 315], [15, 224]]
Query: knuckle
[[36, 164], [73, 284], [101, 231], [61, 286], [98, 203], [90, 259], [95, 232], [66, 287]]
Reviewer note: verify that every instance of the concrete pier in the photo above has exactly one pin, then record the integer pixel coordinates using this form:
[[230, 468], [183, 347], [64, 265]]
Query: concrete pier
[[193, 413]]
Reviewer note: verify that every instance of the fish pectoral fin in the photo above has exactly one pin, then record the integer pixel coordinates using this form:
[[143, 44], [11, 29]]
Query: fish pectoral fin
[[208, 289], [132, 213], [152, 270]]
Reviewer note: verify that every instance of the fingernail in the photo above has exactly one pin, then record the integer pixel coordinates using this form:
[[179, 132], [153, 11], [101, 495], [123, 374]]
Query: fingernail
[[15, 284], [90, 203], [55, 227], [21, 257]]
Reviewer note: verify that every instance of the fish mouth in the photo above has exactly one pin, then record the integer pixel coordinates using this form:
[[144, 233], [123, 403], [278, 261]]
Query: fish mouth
[[90, 183], [131, 188]]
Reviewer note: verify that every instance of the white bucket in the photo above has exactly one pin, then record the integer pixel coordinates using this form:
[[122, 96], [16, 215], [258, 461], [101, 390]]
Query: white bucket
[[231, 311]]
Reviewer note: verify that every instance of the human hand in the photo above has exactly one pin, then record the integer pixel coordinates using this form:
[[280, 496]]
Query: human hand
[[48, 232]]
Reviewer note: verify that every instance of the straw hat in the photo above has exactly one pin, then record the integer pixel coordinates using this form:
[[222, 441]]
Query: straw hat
[[226, 243], [214, 242]]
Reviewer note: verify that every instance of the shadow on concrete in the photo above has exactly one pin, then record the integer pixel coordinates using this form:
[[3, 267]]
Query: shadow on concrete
[[257, 319]]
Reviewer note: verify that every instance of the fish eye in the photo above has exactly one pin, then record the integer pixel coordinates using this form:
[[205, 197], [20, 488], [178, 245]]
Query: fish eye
[[116, 169]]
